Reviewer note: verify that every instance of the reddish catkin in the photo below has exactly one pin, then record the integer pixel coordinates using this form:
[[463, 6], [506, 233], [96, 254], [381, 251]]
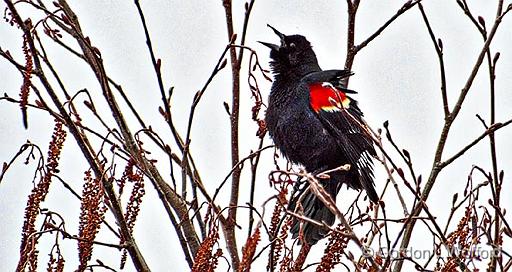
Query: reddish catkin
[[92, 212], [55, 264], [205, 260], [458, 241], [28, 252], [133, 206], [25, 87], [248, 251], [450, 266], [128, 172], [276, 217], [277, 244], [334, 251], [460, 234], [285, 263], [301, 259]]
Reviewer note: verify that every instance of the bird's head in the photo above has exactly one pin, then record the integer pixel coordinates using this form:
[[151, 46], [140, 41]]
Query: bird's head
[[293, 55]]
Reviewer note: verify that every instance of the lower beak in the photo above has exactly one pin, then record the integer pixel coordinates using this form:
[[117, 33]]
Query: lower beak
[[271, 46]]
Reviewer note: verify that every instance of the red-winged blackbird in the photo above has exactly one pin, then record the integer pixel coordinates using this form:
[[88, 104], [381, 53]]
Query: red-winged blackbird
[[314, 122]]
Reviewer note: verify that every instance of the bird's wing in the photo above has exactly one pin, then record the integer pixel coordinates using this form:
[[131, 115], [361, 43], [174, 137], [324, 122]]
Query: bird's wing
[[342, 117]]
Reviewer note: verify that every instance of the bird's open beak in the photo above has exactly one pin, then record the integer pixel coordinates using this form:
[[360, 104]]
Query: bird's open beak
[[274, 46]]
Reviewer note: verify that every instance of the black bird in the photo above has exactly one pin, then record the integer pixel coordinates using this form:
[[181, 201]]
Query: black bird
[[315, 123]]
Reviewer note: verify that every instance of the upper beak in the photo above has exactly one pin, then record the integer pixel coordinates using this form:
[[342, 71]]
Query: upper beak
[[274, 46], [281, 35]]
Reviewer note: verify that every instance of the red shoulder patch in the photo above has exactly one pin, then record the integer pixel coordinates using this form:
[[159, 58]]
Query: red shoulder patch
[[324, 96]]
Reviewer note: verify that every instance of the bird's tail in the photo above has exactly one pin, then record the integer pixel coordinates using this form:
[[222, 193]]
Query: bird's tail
[[313, 208]]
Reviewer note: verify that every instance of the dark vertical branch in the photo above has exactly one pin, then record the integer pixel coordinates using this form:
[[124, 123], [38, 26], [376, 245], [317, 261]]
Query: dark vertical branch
[[492, 142], [491, 64], [351, 28], [255, 159], [229, 229], [236, 62], [248, 9]]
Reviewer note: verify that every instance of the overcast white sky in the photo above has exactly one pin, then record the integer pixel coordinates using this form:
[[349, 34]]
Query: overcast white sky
[[396, 76]]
